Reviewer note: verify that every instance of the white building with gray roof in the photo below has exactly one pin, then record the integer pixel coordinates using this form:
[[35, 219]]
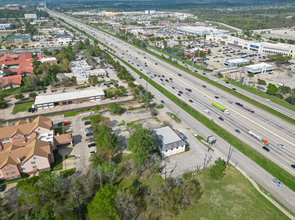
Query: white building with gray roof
[[169, 143]]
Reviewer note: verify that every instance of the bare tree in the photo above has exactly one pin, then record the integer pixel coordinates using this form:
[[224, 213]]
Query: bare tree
[[153, 111]]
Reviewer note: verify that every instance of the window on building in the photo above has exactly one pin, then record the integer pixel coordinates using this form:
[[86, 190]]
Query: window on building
[[34, 167], [3, 139], [21, 164], [34, 158], [176, 147], [8, 174], [10, 178], [13, 172], [166, 150], [23, 168], [11, 168], [15, 177], [7, 139], [15, 138], [8, 142], [33, 162], [6, 169], [19, 137]]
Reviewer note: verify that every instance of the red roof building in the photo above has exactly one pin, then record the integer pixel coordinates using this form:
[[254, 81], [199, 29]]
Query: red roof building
[[12, 80], [19, 64]]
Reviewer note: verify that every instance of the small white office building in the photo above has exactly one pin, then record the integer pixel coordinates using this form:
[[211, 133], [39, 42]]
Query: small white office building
[[236, 62], [168, 142], [258, 68]]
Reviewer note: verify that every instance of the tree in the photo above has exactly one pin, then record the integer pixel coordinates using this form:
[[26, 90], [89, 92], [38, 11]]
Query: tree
[[102, 64], [142, 143], [140, 87], [272, 89], [261, 82], [216, 172], [19, 96], [32, 95], [110, 142], [116, 85], [95, 159], [95, 79], [46, 212], [115, 108], [96, 108], [136, 91], [127, 203], [103, 204], [117, 92], [122, 88], [153, 111], [131, 85], [250, 75], [3, 104]]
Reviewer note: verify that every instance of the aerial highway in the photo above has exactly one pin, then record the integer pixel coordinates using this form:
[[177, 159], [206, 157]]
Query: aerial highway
[[272, 128], [260, 122]]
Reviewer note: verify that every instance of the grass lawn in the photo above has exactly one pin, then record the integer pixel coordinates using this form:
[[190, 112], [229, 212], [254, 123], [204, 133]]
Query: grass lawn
[[123, 123], [159, 106], [58, 130], [58, 162], [233, 197], [175, 118], [67, 173], [22, 107], [59, 124], [69, 156], [156, 118]]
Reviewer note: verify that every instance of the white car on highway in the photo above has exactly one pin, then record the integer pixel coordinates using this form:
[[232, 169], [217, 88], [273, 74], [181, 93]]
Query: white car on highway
[[207, 112], [267, 100], [281, 145]]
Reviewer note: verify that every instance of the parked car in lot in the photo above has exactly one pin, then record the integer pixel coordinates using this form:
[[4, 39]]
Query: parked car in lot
[[91, 145], [67, 123], [87, 122], [90, 140], [113, 98], [93, 152], [277, 182], [162, 101], [2, 187]]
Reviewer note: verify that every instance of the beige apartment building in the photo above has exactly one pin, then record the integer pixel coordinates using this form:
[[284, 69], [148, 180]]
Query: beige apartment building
[[27, 147]]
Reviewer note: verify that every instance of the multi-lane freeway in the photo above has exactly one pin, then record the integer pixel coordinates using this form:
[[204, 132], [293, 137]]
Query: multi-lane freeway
[[260, 122]]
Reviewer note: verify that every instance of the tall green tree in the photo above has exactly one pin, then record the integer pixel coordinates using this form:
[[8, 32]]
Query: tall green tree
[[46, 212], [272, 89], [103, 204], [142, 143], [217, 170]]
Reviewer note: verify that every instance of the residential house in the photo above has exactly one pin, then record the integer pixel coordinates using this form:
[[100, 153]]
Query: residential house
[[10, 81]]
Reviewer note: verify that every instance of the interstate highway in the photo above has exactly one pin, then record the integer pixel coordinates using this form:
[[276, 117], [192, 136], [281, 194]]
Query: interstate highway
[[273, 129], [283, 194]]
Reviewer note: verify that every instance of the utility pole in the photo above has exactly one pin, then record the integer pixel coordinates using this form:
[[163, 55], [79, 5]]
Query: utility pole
[[205, 162], [193, 61], [229, 153]]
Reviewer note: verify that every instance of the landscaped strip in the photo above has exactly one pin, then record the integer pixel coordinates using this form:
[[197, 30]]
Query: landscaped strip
[[285, 177]]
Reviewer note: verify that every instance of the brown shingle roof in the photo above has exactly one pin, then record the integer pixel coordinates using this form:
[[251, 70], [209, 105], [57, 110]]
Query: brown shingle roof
[[24, 127], [23, 150], [63, 138]]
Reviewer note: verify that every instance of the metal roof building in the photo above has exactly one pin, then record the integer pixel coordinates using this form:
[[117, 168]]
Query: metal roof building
[[168, 141], [202, 30], [65, 98]]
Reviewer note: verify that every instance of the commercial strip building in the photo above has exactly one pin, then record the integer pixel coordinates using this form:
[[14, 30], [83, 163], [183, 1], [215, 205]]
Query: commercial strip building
[[66, 98], [258, 68], [236, 62], [82, 71], [28, 147], [260, 47], [169, 143], [32, 16], [19, 39], [202, 30]]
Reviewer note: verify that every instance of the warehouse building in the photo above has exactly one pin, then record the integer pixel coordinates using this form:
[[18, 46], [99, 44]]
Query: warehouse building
[[6, 27], [88, 95], [169, 143], [236, 62], [258, 68]]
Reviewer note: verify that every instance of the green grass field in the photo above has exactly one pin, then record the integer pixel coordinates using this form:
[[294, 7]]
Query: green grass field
[[58, 162], [22, 107], [233, 197]]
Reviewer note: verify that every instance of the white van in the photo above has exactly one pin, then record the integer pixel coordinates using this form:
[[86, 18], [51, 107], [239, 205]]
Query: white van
[[280, 84]]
